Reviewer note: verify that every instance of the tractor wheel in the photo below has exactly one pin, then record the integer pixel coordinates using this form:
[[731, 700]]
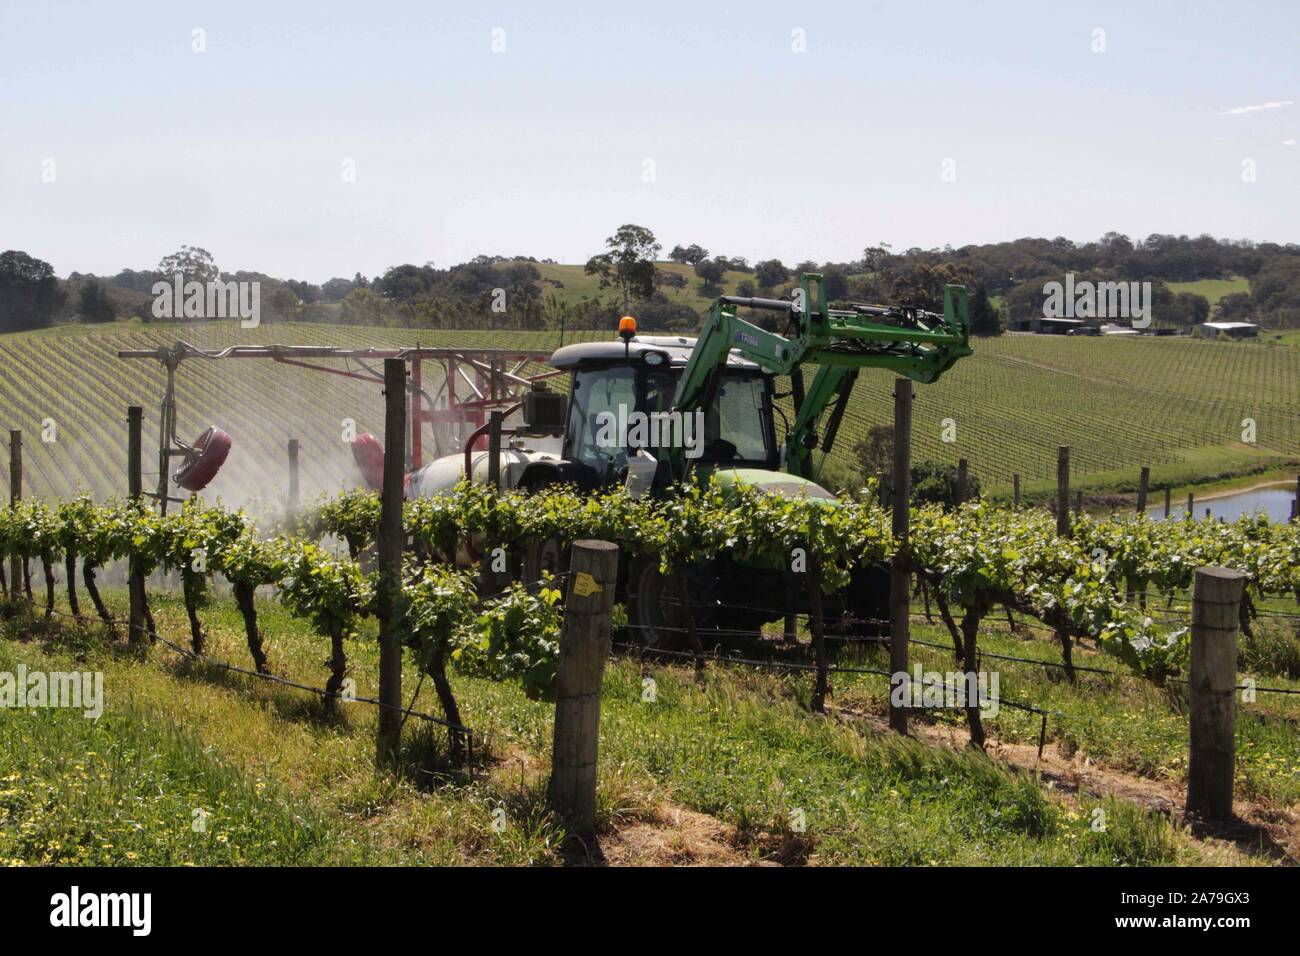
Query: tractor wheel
[[655, 609], [544, 556]]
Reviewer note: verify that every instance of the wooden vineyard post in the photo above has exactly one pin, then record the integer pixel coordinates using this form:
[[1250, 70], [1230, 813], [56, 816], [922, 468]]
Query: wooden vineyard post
[[1143, 482], [1216, 596], [900, 578], [1191, 515], [1169, 500], [293, 480], [1295, 503], [389, 561], [1063, 529], [816, 622], [138, 622], [1063, 490], [15, 495], [494, 451], [584, 646], [1015, 485], [963, 473]]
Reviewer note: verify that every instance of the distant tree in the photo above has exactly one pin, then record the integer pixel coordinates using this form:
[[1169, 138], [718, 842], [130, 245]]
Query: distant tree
[[770, 273], [93, 303], [1025, 300], [335, 289], [984, 316], [284, 303], [690, 254], [837, 283], [1235, 307], [30, 294], [406, 281], [306, 292], [875, 453], [875, 258], [193, 262], [1188, 308], [711, 272], [923, 283], [935, 482], [629, 264], [364, 307], [932, 482], [746, 287], [1118, 248], [1275, 290], [806, 266], [141, 281]]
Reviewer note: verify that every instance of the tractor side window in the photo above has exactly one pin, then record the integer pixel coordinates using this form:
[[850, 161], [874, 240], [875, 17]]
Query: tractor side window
[[590, 440], [738, 421]]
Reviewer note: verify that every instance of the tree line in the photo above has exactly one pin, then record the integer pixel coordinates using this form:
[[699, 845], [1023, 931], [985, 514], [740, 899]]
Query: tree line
[[1007, 279]]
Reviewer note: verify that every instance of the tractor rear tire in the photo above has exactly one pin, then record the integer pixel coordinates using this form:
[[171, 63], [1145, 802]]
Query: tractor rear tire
[[656, 612], [549, 556]]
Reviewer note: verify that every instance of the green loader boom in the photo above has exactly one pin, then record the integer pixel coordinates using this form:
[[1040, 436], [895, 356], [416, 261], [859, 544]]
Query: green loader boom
[[840, 342]]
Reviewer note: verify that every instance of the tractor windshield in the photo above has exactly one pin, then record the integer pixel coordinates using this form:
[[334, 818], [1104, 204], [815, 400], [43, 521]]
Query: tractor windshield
[[737, 429], [598, 391]]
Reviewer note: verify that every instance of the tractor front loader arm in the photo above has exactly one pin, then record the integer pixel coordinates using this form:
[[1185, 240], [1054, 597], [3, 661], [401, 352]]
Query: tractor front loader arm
[[907, 341]]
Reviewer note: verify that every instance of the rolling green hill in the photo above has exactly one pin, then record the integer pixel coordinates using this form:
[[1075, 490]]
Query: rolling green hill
[[1212, 289], [1175, 404]]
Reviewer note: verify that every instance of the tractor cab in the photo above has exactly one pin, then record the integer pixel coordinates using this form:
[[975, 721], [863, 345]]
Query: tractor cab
[[620, 403]]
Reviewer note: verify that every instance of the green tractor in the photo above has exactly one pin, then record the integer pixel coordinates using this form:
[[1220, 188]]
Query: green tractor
[[652, 412]]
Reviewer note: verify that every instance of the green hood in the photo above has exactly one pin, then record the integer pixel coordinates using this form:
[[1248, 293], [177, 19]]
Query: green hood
[[775, 483]]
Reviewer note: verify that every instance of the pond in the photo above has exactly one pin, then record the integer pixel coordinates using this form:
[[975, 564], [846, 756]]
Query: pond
[[1274, 501]]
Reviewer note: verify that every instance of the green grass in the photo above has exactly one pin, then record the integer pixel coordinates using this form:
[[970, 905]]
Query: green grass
[[756, 761], [127, 789], [1212, 289], [1129, 724], [1204, 469], [286, 785]]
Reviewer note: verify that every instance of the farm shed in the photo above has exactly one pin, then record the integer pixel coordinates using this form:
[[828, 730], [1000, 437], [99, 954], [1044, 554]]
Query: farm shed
[[1237, 330], [1045, 325]]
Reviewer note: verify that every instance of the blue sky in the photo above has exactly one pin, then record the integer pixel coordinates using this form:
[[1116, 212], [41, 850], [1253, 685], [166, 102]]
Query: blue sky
[[542, 149]]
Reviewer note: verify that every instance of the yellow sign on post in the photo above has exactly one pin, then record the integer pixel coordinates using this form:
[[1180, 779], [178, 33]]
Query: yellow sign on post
[[584, 585]]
